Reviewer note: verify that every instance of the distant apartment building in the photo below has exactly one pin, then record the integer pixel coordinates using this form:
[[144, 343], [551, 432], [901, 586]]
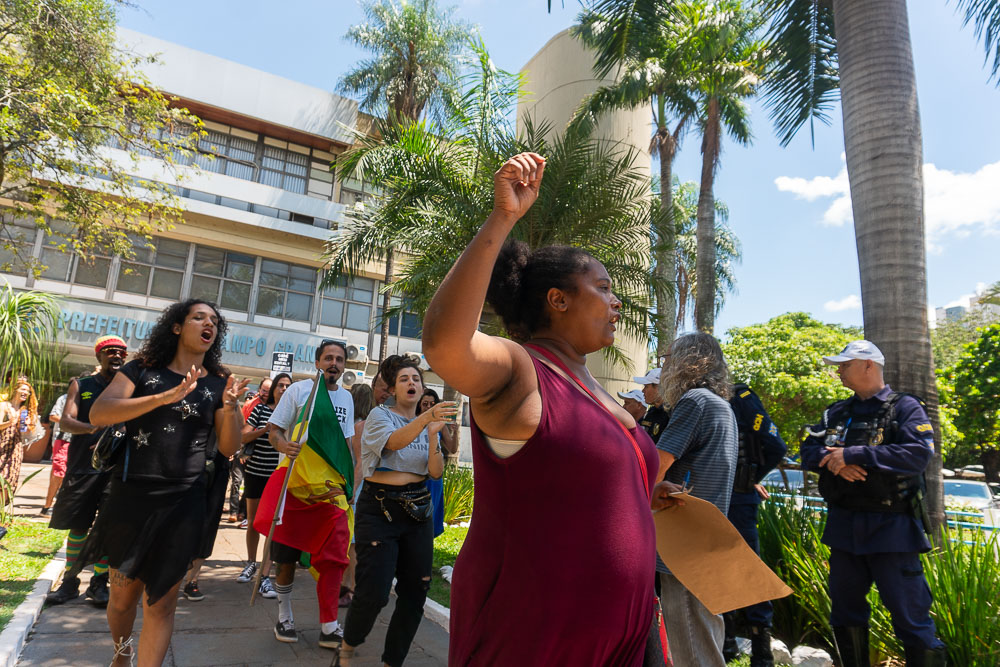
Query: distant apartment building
[[256, 215]]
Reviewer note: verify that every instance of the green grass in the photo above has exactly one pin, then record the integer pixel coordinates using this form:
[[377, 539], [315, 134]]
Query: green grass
[[24, 552], [446, 548]]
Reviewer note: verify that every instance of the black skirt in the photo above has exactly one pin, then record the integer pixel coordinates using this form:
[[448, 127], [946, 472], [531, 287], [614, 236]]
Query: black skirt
[[150, 531], [216, 482]]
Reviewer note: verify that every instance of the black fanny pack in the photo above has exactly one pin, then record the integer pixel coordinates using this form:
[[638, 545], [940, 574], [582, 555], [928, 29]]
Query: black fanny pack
[[416, 503], [108, 448]]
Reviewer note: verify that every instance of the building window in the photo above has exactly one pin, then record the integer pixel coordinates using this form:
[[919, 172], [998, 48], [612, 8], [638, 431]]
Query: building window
[[223, 153], [57, 254], [156, 270], [347, 304], [284, 168], [17, 245], [286, 290], [407, 326], [93, 271], [223, 278]]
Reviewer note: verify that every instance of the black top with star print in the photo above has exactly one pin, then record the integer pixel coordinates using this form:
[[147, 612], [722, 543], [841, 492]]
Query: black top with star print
[[168, 444]]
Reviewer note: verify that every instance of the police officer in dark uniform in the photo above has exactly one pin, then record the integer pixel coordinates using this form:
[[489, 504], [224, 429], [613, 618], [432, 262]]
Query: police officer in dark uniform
[[657, 416], [84, 488], [870, 451], [760, 450]]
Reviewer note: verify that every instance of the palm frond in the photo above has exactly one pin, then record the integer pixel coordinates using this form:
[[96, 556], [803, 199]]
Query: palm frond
[[984, 15], [803, 81], [28, 325]]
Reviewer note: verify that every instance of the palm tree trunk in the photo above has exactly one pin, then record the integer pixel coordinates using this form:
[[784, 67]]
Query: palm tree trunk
[[666, 253], [383, 348], [884, 165], [704, 300]]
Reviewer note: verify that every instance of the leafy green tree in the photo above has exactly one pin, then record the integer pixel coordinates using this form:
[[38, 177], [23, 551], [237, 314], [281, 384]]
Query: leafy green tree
[[28, 321], [782, 360], [949, 339], [653, 72], [417, 51], [66, 94], [436, 189], [954, 449], [977, 399]]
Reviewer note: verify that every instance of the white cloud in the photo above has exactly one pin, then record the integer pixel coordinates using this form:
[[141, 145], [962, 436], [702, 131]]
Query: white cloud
[[850, 302], [955, 203], [961, 301]]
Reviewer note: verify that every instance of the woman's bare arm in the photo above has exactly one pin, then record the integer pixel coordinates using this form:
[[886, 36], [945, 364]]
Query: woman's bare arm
[[228, 418], [402, 437], [472, 362]]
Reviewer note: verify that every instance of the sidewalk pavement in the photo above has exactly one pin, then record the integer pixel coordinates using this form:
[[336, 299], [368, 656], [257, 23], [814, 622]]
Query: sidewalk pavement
[[220, 630]]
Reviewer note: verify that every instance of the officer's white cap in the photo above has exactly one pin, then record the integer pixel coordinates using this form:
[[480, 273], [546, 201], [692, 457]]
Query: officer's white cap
[[635, 395], [652, 377], [858, 349]]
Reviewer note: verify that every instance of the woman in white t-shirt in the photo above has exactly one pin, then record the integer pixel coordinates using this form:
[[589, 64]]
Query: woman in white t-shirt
[[393, 527]]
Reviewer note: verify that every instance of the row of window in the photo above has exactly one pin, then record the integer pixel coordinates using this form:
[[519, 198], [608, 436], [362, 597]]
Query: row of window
[[255, 157], [236, 281]]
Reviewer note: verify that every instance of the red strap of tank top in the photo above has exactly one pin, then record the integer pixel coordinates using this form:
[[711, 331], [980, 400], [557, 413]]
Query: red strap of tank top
[[635, 445]]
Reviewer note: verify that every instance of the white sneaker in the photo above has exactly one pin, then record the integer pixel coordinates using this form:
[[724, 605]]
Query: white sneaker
[[266, 590], [247, 573]]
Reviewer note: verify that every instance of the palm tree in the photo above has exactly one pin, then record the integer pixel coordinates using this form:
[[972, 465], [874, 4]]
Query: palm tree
[[728, 61], [436, 188], [863, 48], [28, 324], [728, 250], [414, 71], [652, 72]]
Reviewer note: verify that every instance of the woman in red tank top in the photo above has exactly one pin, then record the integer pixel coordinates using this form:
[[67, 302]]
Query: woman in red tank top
[[557, 566]]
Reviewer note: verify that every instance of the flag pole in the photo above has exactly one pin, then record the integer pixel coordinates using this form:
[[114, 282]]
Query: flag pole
[[306, 416]]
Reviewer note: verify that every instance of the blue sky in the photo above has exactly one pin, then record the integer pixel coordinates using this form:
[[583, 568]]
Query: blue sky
[[788, 206]]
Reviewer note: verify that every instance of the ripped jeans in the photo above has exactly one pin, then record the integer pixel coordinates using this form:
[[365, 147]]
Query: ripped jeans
[[402, 548]]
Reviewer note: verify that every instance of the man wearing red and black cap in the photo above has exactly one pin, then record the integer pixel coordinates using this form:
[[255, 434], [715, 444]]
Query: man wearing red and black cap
[[83, 487]]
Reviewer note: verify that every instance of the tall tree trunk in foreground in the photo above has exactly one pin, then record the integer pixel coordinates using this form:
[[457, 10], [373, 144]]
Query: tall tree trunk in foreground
[[383, 348], [884, 164]]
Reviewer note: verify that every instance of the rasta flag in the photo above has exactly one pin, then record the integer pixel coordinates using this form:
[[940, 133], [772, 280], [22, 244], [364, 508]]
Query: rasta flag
[[320, 527]]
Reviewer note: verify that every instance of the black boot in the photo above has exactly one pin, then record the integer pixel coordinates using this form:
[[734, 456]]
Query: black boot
[[926, 657], [852, 644], [97, 591], [760, 646], [68, 590], [730, 649]]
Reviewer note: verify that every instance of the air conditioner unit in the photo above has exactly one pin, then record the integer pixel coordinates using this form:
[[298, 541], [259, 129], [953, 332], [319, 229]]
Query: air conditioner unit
[[357, 354], [419, 359], [351, 378]]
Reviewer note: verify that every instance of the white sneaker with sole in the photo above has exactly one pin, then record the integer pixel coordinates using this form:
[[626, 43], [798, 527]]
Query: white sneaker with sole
[[247, 573], [266, 590]]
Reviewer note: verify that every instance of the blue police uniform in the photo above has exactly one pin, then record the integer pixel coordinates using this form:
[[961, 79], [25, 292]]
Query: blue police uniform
[[760, 450], [867, 545], [754, 423]]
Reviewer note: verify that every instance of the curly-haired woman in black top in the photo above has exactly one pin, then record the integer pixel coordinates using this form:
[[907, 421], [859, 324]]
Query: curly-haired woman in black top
[[170, 398]]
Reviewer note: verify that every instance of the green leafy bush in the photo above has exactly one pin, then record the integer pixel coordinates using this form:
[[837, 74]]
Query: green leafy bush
[[964, 578], [458, 486]]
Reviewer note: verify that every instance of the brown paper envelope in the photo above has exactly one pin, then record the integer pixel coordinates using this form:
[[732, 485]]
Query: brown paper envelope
[[708, 555]]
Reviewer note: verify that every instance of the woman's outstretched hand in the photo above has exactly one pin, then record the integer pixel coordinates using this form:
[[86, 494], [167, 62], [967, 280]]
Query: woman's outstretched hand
[[186, 386], [516, 183]]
